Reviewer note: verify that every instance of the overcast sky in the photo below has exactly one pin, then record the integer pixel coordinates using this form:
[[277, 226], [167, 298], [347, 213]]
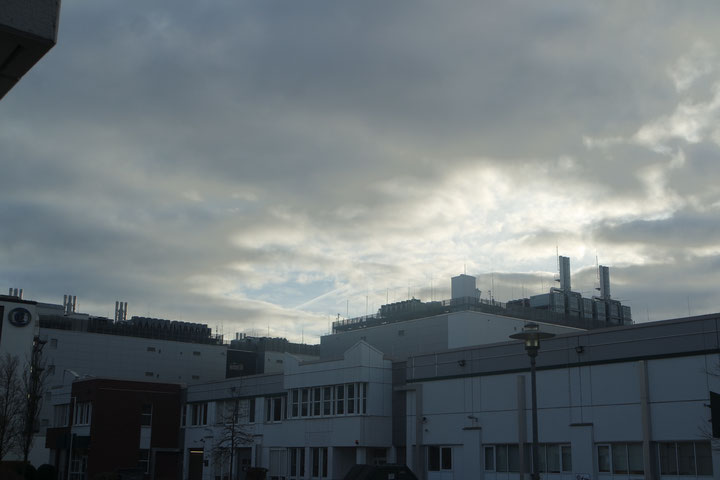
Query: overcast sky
[[263, 166]]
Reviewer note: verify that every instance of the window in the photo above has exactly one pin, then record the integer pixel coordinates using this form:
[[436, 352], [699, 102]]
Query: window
[[319, 458], [149, 374], [82, 414], [198, 413], [146, 415], [351, 398], [685, 458], [150, 349], [363, 387], [78, 466], [297, 463], [144, 460], [439, 458], [327, 401], [274, 408], [316, 402], [620, 458], [278, 464], [196, 353], [62, 412], [566, 458], [344, 399], [251, 410], [53, 343], [295, 403], [490, 458], [340, 400], [305, 393], [552, 458]]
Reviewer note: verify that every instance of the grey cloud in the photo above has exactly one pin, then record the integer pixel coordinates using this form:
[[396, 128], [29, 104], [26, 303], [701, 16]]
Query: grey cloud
[[685, 229], [309, 108]]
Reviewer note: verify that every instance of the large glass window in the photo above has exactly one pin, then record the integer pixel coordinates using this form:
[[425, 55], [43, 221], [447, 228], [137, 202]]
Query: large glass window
[[552, 458], [319, 462], [344, 399], [685, 458], [620, 458], [297, 463]]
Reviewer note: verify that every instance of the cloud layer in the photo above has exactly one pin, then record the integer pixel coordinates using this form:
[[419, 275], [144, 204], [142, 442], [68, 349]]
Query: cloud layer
[[266, 166]]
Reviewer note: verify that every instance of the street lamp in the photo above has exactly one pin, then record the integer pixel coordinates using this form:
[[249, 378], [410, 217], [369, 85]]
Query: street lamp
[[532, 335]]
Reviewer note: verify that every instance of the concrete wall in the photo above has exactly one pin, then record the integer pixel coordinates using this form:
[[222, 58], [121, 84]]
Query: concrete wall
[[348, 438], [398, 340], [476, 328], [644, 384]]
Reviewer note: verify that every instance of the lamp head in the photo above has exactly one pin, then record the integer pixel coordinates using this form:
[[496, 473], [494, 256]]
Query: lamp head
[[532, 335]]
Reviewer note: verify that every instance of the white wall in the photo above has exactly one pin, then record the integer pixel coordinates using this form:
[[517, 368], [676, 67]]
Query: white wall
[[604, 400], [18, 341], [469, 328]]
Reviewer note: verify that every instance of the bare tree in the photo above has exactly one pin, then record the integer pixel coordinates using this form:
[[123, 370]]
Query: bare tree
[[10, 403], [33, 388], [234, 432]]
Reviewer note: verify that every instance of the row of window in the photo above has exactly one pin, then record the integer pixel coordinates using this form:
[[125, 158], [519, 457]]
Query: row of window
[[552, 457], [290, 464], [675, 458], [82, 414], [333, 400], [685, 458]]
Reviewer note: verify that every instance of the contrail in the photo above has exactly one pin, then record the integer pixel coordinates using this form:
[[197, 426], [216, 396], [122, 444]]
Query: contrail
[[326, 294]]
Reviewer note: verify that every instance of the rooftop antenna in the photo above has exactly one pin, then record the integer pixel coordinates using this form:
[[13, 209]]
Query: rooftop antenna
[[492, 285]]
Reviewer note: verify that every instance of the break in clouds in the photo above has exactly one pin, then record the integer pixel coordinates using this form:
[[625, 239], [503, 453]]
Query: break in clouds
[[265, 166]]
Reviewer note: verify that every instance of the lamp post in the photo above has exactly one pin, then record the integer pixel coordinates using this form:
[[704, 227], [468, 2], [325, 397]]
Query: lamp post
[[532, 335]]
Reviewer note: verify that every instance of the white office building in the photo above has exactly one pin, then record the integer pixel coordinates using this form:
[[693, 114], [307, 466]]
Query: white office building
[[620, 403]]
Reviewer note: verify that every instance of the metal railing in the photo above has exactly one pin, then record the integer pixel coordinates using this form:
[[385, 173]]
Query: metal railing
[[469, 304]]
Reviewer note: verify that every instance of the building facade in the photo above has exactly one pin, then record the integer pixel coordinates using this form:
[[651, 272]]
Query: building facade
[[620, 403], [116, 426]]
